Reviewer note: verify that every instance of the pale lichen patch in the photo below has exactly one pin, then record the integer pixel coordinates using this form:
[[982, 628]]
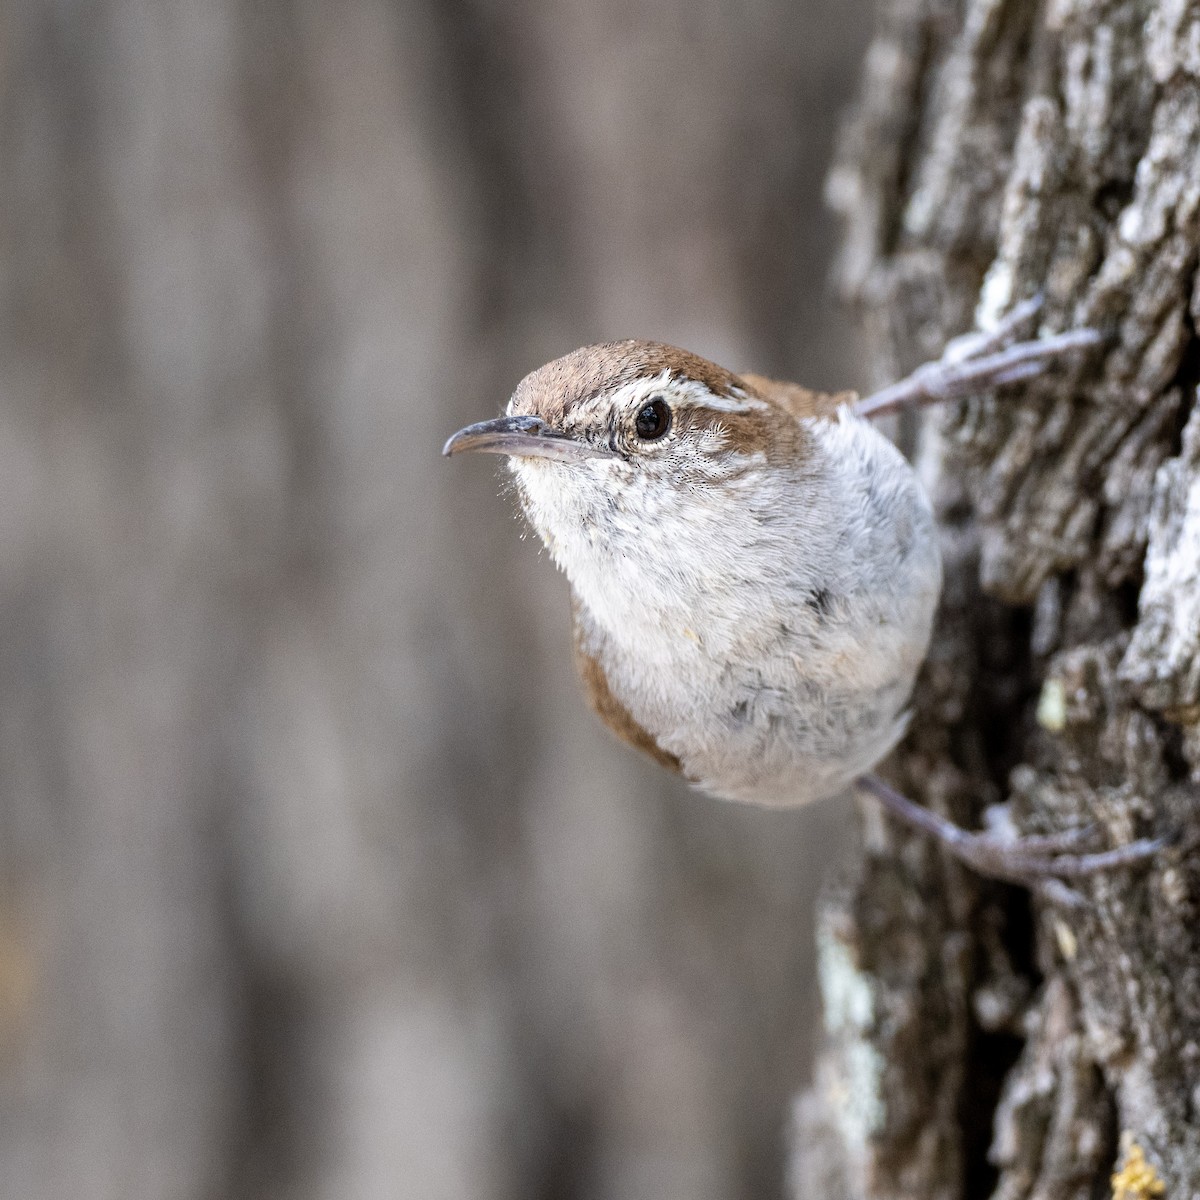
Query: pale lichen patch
[[1052, 706], [848, 1000]]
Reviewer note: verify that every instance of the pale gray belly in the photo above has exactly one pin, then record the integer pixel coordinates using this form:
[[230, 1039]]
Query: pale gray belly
[[777, 734]]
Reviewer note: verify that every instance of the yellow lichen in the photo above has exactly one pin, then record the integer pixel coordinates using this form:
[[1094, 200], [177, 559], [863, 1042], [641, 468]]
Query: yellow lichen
[[1137, 1179]]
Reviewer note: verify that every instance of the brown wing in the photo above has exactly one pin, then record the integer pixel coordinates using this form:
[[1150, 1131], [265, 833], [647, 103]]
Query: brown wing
[[608, 708], [797, 400]]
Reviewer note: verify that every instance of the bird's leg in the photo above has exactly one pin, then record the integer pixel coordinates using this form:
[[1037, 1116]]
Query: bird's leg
[[978, 362], [1031, 861]]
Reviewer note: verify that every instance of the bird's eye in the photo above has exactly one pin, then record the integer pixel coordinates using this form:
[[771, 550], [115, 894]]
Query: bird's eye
[[653, 419]]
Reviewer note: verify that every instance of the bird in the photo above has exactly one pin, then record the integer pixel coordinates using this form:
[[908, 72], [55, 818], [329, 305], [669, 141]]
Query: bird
[[754, 567]]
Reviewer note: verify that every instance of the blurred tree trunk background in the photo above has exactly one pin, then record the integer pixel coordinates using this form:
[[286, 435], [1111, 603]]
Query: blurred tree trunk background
[[979, 1043], [316, 877]]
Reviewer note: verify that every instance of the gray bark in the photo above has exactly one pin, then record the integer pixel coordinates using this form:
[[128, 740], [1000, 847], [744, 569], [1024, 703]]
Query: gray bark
[[979, 1041]]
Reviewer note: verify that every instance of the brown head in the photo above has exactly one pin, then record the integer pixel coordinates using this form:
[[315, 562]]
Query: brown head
[[635, 402]]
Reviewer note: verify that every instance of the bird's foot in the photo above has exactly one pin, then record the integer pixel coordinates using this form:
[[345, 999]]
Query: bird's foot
[[978, 362], [1041, 863]]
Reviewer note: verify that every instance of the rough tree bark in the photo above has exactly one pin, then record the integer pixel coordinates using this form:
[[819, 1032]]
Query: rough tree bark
[[979, 1042]]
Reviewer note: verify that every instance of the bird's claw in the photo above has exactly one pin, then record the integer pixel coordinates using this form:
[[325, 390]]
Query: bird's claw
[[980, 342], [1041, 862], [1035, 860], [980, 361]]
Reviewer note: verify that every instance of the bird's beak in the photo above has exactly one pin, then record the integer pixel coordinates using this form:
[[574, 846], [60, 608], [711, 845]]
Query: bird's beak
[[522, 437]]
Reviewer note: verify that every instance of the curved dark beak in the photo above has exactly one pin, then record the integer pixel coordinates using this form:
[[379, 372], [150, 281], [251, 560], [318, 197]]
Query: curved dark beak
[[522, 437]]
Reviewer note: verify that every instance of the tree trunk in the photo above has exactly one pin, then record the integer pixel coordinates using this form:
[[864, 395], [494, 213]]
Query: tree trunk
[[979, 1041]]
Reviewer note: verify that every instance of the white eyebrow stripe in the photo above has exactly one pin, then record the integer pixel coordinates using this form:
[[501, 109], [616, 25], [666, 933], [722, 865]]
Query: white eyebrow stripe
[[739, 402], [690, 391]]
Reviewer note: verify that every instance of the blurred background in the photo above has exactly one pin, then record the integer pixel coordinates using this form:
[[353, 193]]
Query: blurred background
[[317, 878]]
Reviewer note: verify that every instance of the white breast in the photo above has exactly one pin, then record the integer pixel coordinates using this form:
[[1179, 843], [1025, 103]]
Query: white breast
[[766, 628]]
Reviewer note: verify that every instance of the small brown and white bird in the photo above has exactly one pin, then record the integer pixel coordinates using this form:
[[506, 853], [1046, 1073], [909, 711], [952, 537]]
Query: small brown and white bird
[[754, 567]]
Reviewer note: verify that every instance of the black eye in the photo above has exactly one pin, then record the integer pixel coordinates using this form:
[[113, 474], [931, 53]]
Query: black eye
[[653, 419]]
